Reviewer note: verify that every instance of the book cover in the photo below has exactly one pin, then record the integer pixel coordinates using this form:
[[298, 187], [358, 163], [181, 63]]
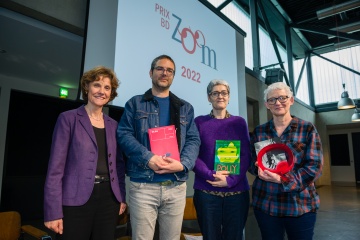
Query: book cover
[[273, 157], [163, 141], [227, 156]]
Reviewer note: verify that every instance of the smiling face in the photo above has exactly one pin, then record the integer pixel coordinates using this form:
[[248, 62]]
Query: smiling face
[[161, 76], [278, 108], [99, 92], [219, 102]]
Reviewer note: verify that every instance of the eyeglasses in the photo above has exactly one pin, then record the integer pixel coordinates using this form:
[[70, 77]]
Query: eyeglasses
[[282, 99], [217, 94], [168, 70]]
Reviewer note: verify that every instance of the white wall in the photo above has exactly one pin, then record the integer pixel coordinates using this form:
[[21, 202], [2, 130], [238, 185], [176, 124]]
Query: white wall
[[340, 119]]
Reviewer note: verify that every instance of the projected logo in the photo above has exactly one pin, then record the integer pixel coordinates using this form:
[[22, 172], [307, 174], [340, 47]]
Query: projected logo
[[193, 40]]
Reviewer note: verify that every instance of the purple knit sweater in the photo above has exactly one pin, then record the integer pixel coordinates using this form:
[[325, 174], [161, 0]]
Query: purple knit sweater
[[212, 129]]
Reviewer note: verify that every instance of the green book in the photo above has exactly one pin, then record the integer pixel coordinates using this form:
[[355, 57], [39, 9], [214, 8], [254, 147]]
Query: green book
[[227, 156]]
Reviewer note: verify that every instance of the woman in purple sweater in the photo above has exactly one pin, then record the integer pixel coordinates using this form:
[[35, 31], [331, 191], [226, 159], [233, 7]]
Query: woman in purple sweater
[[221, 198]]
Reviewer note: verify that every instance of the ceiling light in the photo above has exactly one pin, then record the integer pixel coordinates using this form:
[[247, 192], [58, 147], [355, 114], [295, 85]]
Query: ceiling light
[[356, 116], [345, 102], [346, 6]]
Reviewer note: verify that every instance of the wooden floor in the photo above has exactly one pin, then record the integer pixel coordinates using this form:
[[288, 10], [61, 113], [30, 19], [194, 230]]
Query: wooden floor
[[338, 217]]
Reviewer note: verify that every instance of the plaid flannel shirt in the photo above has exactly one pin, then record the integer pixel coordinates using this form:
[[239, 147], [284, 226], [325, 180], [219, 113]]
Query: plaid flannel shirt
[[296, 194]]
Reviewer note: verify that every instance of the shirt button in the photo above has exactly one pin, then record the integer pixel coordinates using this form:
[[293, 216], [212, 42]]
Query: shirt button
[[109, 154]]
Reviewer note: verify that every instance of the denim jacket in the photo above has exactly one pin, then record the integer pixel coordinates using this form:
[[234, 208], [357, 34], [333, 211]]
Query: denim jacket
[[141, 113]]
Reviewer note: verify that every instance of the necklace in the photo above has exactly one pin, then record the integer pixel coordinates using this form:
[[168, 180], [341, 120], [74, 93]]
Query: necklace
[[96, 119]]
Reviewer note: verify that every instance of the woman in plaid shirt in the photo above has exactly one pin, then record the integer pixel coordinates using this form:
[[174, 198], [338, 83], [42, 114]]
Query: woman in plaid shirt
[[287, 202]]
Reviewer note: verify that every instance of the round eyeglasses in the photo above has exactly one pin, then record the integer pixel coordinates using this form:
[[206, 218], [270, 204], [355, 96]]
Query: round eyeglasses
[[282, 99], [168, 70], [217, 94]]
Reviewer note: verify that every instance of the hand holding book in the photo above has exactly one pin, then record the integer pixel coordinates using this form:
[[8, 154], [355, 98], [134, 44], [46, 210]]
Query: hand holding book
[[172, 166], [268, 176], [157, 162], [220, 179]]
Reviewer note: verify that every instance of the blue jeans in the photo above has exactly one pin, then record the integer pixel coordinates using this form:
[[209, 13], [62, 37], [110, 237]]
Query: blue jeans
[[273, 228], [221, 217], [149, 202]]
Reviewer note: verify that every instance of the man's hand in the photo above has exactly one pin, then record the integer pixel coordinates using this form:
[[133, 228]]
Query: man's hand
[[157, 162], [172, 166], [56, 226]]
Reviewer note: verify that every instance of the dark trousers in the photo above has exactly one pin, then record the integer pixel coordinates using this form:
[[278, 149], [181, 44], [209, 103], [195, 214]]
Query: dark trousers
[[273, 228], [221, 218], [95, 220]]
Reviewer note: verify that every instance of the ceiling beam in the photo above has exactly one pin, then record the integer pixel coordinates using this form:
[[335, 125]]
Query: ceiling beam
[[224, 4], [348, 28], [323, 31], [336, 9]]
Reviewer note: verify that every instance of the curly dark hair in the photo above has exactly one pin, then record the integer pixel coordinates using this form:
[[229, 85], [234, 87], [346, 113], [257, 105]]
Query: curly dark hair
[[94, 75]]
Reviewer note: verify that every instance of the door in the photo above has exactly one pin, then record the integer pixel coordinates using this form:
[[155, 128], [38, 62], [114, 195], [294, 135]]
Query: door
[[356, 153], [342, 157]]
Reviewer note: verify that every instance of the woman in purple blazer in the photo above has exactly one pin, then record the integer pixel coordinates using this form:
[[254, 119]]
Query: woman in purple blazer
[[85, 184]]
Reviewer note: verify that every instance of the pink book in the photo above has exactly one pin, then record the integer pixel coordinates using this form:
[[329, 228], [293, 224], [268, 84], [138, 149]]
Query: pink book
[[163, 142]]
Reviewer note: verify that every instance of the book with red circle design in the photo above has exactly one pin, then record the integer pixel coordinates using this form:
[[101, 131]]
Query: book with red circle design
[[274, 156]]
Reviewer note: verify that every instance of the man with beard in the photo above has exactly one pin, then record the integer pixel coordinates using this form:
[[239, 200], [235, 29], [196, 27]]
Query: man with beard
[[157, 183]]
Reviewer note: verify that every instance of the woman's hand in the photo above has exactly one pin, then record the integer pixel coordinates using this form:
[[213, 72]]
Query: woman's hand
[[225, 173], [56, 226], [122, 208], [269, 176], [220, 179]]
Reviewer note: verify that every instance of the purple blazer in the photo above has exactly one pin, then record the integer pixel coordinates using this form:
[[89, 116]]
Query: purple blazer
[[73, 159]]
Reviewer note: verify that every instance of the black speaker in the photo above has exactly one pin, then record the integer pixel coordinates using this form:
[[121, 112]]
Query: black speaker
[[274, 75]]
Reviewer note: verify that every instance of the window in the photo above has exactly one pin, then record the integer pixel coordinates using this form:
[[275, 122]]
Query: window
[[329, 78]]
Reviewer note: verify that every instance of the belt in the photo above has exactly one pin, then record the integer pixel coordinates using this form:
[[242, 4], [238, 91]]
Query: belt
[[100, 179], [169, 182], [166, 183]]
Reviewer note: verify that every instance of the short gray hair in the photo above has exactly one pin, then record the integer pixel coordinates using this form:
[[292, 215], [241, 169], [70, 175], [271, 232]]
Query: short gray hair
[[278, 86], [216, 82]]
